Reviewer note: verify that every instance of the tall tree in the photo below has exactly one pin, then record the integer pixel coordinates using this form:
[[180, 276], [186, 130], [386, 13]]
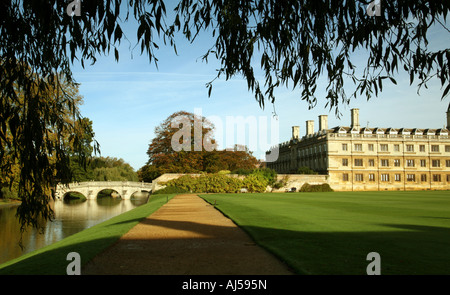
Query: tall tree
[[41, 129], [184, 143], [178, 143], [295, 41], [240, 157], [184, 132]]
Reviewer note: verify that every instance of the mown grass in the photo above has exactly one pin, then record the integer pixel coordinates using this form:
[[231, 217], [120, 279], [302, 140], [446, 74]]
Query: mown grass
[[52, 259], [332, 233]]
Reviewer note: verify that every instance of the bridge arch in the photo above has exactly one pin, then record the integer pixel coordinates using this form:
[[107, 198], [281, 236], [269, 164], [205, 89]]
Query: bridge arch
[[67, 195], [114, 193]]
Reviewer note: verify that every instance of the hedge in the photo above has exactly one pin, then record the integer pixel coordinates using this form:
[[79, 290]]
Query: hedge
[[170, 190], [207, 183], [325, 187], [219, 183]]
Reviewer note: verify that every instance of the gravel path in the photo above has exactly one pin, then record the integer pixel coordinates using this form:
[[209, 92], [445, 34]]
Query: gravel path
[[186, 236]]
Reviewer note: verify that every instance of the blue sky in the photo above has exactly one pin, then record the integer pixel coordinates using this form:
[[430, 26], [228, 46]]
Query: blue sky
[[126, 100]]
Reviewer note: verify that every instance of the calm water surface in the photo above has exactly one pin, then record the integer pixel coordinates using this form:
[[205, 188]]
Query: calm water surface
[[70, 218]]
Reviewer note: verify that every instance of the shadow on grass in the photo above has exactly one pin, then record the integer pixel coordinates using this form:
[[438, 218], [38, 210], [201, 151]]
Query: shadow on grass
[[54, 261], [404, 249]]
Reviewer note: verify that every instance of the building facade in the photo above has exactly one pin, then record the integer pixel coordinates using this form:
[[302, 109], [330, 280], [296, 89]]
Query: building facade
[[358, 158]]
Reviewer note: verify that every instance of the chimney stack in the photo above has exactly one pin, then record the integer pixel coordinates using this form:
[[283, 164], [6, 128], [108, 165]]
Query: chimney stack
[[448, 117], [295, 132], [323, 122], [309, 127], [355, 119]]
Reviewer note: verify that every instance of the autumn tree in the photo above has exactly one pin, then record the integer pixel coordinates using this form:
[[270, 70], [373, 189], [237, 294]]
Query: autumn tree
[[41, 129], [184, 143], [172, 150], [239, 157]]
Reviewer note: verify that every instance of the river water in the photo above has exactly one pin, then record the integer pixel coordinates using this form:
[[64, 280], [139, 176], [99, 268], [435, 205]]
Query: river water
[[70, 217]]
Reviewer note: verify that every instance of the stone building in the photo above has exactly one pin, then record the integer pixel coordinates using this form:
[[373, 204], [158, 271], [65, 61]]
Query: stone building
[[365, 158]]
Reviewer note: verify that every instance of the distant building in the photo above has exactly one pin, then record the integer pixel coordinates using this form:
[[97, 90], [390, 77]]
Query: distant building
[[365, 158]]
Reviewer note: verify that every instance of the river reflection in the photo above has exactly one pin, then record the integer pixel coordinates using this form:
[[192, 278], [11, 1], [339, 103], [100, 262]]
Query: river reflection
[[70, 218]]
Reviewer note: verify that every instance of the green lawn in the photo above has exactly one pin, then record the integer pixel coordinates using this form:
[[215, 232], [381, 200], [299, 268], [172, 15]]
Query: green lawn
[[88, 243], [332, 233], [315, 233]]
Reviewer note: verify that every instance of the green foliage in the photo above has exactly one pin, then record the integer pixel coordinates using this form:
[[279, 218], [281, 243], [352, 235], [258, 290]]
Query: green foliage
[[305, 170], [255, 183], [242, 171], [324, 187], [220, 183], [170, 190], [281, 183], [207, 183], [103, 169], [270, 175], [148, 172], [114, 174], [6, 193], [224, 172], [267, 173]]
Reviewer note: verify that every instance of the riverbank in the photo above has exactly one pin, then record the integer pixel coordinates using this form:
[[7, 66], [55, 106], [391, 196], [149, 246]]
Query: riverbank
[[52, 259], [9, 202]]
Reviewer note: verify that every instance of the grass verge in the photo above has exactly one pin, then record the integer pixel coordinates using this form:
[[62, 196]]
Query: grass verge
[[332, 233], [52, 259]]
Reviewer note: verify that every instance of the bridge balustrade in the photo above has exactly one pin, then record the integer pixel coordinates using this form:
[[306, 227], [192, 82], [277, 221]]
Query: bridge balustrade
[[90, 189]]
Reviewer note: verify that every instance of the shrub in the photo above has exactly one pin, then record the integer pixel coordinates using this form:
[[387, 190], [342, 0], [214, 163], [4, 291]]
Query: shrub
[[185, 182], [324, 187], [207, 183], [6, 193], [281, 183], [306, 187], [242, 171], [269, 174], [305, 170], [224, 172], [255, 183], [170, 190]]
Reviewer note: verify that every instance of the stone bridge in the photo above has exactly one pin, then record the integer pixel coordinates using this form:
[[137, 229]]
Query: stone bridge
[[90, 189]]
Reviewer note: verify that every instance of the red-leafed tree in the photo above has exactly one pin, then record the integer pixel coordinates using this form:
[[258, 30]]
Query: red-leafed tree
[[199, 153]]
